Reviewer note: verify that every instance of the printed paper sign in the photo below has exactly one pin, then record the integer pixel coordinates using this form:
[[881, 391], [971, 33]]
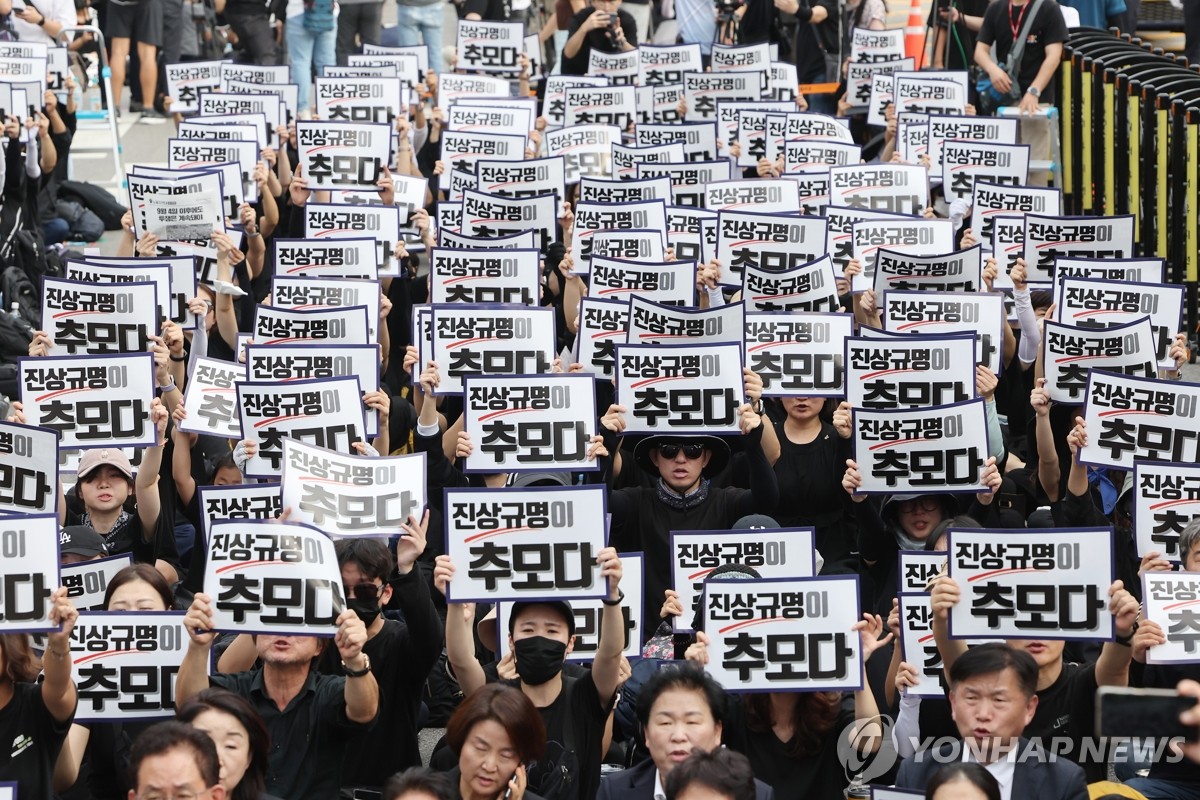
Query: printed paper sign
[[808, 287], [898, 188], [185, 82], [699, 139], [909, 371], [209, 399], [248, 501], [1127, 270], [991, 200], [767, 242], [273, 577], [860, 74], [690, 180], [193, 155], [484, 276], [586, 149], [554, 103], [948, 313], [1022, 584], [981, 130], [144, 189], [767, 197], [818, 156], [28, 470], [1051, 238], [86, 582], [125, 663], [186, 218], [1102, 305], [355, 495], [784, 634], [319, 326], [631, 245], [1170, 599], [694, 388], [527, 423], [30, 548], [381, 223], [292, 362], [481, 340], [654, 323], [668, 283], [924, 96], [705, 90], [490, 216], [83, 319], [306, 294], [326, 258], [954, 272], [492, 48], [461, 149], [876, 47], [918, 569], [661, 64], [1069, 354], [692, 232], [150, 272], [920, 650], [1139, 418], [629, 190], [798, 353], [965, 162], [602, 326], [526, 544], [452, 87], [342, 155], [1166, 497], [772, 553], [326, 413], [592, 217], [602, 105], [522, 179], [919, 237], [920, 451], [92, 401]]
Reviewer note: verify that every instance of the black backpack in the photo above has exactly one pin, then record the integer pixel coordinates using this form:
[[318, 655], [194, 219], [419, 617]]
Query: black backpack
[[14, 344], [16, 287], [96, 199]]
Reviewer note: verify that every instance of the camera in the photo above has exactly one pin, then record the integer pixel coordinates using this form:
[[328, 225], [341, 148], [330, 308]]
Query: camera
[[725, 9]]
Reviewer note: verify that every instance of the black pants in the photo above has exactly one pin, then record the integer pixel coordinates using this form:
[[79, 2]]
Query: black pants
[[359, 19], [257, 39]]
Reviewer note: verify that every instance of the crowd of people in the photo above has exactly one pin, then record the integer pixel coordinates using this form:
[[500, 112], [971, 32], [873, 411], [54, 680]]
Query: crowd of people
[[314, 718]]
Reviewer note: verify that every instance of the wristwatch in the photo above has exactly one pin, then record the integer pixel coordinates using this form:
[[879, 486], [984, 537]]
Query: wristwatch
[[351, 673], [1033, 90]]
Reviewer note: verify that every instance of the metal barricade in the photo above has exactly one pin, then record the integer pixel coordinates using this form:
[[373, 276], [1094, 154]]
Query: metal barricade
[[106, 118]]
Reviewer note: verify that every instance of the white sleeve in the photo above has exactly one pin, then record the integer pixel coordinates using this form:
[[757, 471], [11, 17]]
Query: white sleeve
[[33, 166], [907, 730], [1027, 349]]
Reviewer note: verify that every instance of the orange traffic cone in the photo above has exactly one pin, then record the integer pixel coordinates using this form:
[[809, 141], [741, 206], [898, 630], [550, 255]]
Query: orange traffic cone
[[914, 36]]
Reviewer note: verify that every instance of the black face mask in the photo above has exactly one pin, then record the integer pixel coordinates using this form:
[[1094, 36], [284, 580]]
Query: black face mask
[[539, 659], [368, 610]]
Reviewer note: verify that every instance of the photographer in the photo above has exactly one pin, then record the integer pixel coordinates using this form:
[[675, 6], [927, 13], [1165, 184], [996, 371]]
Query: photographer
[[602, 26]]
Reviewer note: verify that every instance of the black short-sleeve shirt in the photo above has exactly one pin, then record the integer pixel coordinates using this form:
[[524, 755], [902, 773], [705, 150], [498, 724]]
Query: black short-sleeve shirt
[[31, 739], [308, 738], [1048, 28], [596, 40]]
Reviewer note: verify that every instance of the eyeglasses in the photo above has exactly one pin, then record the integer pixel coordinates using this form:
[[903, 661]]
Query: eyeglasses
[[922, 503], [363, 591], [692, 451]]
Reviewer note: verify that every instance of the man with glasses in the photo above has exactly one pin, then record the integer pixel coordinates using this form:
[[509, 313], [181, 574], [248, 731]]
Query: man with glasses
[[174, 761], [682, 497], [601, 26], [401, 653]]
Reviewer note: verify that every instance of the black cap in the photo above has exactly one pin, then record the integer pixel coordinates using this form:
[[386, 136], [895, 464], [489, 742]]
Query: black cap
[[562, 606], [81, 540]]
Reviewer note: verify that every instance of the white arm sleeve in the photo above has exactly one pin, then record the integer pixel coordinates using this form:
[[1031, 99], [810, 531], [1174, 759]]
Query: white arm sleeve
[[907, 730], [1027, 349]]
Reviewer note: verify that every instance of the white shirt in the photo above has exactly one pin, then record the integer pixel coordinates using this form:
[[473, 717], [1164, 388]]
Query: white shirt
[[1001, 770], [661, 794], [60, 11]]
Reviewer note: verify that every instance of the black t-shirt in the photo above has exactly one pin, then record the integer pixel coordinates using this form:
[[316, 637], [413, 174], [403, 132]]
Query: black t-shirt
[[1047, 28], [30, 739], [595, 40], [107, 758], [810, 490], [131, 537], [570, 768], [959, 51], [1067, 708], [488, 10]]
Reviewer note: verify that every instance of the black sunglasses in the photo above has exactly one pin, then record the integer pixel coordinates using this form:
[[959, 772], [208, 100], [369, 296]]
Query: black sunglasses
[[692, 451], [363, 591]]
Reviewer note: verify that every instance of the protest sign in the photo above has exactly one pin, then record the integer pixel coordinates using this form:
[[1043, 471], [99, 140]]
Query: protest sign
[[586, 149], [526, 240], [343, 155], [529, 178], [659, 64], [483, 340], [693, 388], [288, 94], [86, 582], [692, 232], [591, 217], [919, 648], [601, 105], [461, 149], [209, 398], [703, 91], [690, 179], [808, 287], [125, 663], [214, 105], [659, 105], [233, 187], [524, 423], [767, 242], [1169, 599], [157, 273], [880, 97], [981, 130], [898, 188], [912, 138], [504, 117], [490, 216], [273, 577], [1023, 584], [1100, 304], [246, 501], [1127, 270], [784, 634], [352, 495], [144, 189], [948, 313], [1166, 497], [919, 568], [554, 103], [669, 283], [85, 319], [991, 200], [731, 58], [451, 87], [292, 362], [1048, 238], [813, 188], [92, 401], [185, 83], [919, 237], [771, 552], [302, 294], [728, 112], [1069, 353], [1132, 418], [875, 47], [914, 371], [489, 47], [187, 218], [28, 470], [751, 137], [29, 546], [484, 276], [253, 73], [922, 451], [628, 190], [617, 69], [325, 412], [860, 74], [818, 156], [762, 196], [327, 258], [550, 540], [783, 83], [965, 162], [224, 128], [960, 271], [588, 613], [331, 222], [603, 325], [699, 139], [202, 158], [798, 353], [922, 95], [316, 326], [651, 322]]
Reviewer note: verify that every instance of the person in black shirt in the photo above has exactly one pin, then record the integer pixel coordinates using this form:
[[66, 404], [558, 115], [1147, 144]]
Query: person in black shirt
[[1043, 49], [958, 23], [602, 26], [35, 718]]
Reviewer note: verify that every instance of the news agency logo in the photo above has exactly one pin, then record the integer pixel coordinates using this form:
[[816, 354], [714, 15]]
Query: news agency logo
[[869, 755]]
